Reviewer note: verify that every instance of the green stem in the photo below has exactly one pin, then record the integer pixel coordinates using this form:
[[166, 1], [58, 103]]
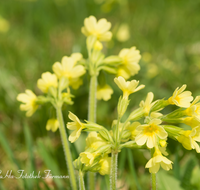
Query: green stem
[[66, 148], [113, 172], [153, 175], [92, 117], [81, 181]]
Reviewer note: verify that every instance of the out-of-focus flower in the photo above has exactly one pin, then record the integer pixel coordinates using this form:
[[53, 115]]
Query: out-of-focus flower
[[123, 33], [104, 92], [146, 56], [87, 158], [128, 87], [180, 98], [76, 126], [68, 68], [132, 128], [194, 108], [98, 45], [4, 25], [149, 133], [158, 160], [47, 81], [29, 100], [100, 28], [105, 164], [188, 139], [130, 58], [52, 124]]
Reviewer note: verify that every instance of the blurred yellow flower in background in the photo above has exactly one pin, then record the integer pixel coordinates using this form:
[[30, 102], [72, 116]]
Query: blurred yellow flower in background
[[76, 126], [180, 98], [68, 68], [47, 81], [29, 100], [158, 160], [105, 164], [123, 33], [99, 29], [128, 87], [52, 124], [104, 92], [4, 25], [130, 58]]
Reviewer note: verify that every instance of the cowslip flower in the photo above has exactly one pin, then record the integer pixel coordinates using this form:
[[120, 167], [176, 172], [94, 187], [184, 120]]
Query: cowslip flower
[[105, 164], [100, 28], [128, 87], [180, 98], [132, 128], [130, 58], [188, 139], [87, 157], [194, 108], [147, 104], [29, 100], [47, 81], [104, 92], [76, 126], [94, 141], [192, 121], [158, 160], [52, 124], [149, 133], [68, 68]]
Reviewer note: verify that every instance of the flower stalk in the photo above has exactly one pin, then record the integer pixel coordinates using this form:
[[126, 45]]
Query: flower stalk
[[113, 173], [66, 148], [153, 176], [81, 181]]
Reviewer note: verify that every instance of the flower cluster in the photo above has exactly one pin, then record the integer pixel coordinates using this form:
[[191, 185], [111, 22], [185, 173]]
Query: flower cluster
[[55, 86], [145, 127]]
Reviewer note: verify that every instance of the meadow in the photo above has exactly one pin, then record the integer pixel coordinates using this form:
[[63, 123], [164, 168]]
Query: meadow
[[34, 34]]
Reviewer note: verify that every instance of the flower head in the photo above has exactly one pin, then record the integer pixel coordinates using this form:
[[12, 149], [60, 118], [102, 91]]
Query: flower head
[[188, 139], [194, 109], [47, 81], [68, 68], [29, 100], [130, 58], [104, 92], [158, 160], [105, 164], [100, 28], [150, 133], [52, 124], [87, 158], [180, 98], [76, 126], [128, 87]]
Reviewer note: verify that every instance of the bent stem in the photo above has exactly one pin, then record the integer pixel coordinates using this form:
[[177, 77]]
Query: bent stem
[[81, 181], [92, 117], [113, 172], [153, 176], [66, 148]]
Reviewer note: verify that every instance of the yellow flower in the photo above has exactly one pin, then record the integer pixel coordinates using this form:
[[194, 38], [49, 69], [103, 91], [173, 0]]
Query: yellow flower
[[180, 98], [87, 158], [194, 108], [104, 92], [76, 126], [150, 133], [94, 141], [132, 129], [188, 139], [4, 25], [52, 124], [105, 164], [99, 29], [29, 100], [128, 87], [98, 45], [47, 81], [147, 104], [68, 68], [192, 121], [158, 160], [123, 33], [130, 58]]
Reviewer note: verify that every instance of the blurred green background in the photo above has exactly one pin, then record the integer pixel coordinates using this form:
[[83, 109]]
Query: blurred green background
[[36, 33]]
